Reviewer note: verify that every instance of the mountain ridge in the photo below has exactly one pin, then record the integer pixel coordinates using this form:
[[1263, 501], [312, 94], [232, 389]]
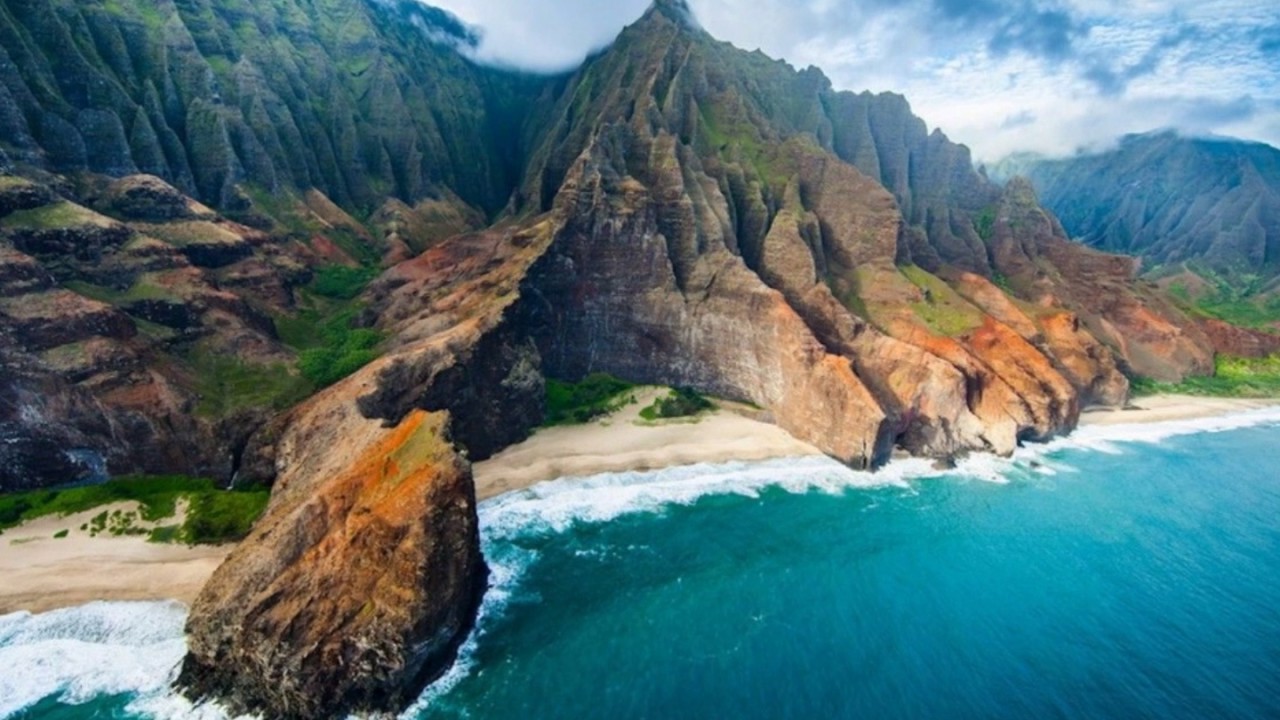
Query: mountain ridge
[[1212, 203]]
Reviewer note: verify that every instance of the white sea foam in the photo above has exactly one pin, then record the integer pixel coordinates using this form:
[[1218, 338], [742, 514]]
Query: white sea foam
[[135, 648], [555, 506], [81, 653]]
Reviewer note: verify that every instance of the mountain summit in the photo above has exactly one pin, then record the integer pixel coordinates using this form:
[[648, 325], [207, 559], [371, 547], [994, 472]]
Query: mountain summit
[[677, 11]]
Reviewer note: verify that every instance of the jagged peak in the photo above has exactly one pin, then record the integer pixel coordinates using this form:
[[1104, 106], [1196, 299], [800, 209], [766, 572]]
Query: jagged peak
[[677, 11]]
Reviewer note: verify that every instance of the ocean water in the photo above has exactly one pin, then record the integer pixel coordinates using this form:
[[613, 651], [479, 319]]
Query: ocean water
[[1122, 573]]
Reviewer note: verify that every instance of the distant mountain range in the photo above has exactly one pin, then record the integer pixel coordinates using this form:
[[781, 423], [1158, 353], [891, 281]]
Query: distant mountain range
[[1210, 203]]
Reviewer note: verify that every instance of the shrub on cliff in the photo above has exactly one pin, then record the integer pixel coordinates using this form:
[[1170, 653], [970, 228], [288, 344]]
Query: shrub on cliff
[[575, 403], [680, 402]]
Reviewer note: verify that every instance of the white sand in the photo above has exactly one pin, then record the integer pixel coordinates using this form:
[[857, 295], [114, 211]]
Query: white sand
[[1166, 408], [39, 572], [624, 442]]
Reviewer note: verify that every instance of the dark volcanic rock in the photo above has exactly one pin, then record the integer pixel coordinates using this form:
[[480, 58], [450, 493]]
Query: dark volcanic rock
[[19, 194], [149, 199]]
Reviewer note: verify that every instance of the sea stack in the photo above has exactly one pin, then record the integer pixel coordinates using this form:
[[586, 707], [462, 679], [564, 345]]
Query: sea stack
[[357, 588]]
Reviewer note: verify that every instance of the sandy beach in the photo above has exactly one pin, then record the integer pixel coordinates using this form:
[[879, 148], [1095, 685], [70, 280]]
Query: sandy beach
[[1167, 408], [40, 572], [624, 442]]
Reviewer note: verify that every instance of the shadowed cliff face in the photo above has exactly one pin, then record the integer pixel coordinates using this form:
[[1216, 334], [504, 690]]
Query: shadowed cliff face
[[688, 189], [282, 94], [1213, 203]]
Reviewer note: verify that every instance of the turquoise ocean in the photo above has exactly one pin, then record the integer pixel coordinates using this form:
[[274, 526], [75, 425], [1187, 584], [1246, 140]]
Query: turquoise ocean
[[1127, 572]]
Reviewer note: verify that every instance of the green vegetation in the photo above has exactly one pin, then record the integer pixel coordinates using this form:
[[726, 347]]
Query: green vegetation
[[329, 345], [213, 515], [338, 282], [943, 309], [219, 517], [342, 349], [195, 232], [61, 534], [575, 403], [227, 384], [165, 534], [9, 182], [679, 403], [1240, 301], [55, 216], [291, 215], [144, 288], [985, 224], [1235, 377], [735, 139]]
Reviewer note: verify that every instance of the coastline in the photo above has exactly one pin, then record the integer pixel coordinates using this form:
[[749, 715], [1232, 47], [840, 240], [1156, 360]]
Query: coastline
[[624, 442], [1170, 408], [44, 573]]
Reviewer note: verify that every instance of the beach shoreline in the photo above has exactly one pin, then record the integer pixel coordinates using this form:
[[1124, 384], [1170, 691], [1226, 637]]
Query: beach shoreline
[[43, 572], [1170, 408]]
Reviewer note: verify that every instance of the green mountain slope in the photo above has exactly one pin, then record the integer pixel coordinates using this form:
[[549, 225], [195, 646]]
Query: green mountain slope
[[362, 100]]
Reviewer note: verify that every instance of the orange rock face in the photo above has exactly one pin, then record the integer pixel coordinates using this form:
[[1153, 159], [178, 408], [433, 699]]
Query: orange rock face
[[358, 586]]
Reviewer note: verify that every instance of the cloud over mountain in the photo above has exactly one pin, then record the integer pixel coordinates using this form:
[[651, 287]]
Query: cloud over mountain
[[1000, 75]]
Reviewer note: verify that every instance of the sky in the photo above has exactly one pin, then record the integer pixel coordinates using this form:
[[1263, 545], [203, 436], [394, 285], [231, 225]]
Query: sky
[[1001, 76]]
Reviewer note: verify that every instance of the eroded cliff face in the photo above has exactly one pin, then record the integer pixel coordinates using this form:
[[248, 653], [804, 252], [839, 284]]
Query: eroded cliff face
[[360, 583], [92, 310]]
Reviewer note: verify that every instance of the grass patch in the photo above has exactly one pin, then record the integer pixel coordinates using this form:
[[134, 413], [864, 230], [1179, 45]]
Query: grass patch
[[225, 516], [1240, 301], [157, 497], [165, 534], [679, 403], [1234, 377], [213, 515], [58, 215], [576, 403], [290, 214], [329, 346], [338, 282], [144, 288], [984, 223], [341, 349], [61, 534], [943, 310], [227, 384]]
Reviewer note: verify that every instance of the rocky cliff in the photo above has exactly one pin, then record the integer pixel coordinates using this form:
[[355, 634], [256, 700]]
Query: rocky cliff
[[1213, 203], [676, 211]]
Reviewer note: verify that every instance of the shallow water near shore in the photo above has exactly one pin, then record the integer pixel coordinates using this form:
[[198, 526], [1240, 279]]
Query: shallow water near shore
[[1124, 572]]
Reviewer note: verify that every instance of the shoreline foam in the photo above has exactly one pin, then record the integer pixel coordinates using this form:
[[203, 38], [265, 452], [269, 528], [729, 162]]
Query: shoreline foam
[[94, 633], [600, 470]]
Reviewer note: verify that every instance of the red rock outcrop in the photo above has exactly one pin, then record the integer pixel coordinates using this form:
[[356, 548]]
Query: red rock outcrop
[[1234, 340], [360, 583]]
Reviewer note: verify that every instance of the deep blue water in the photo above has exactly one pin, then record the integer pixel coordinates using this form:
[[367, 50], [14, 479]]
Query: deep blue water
[[1090, 580]]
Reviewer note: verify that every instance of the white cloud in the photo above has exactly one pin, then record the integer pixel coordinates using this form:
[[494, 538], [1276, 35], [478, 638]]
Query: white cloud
[[1073, 73]]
